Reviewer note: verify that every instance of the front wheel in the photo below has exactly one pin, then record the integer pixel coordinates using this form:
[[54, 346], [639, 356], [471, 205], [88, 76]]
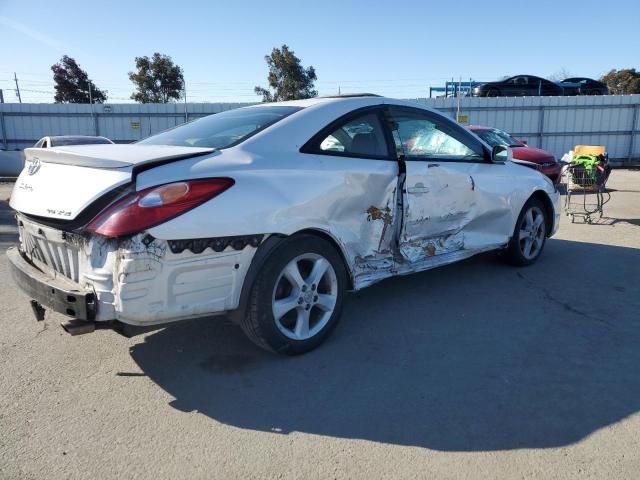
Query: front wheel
[[296, 299], [529, 235]]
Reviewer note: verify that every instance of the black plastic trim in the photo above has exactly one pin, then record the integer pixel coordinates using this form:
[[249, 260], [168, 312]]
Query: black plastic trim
[[58, 294]]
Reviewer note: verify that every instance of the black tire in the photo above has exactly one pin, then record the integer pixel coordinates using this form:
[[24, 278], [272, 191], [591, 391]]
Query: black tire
[[493, 92], [595, 92], [516, 253], [259, 323]]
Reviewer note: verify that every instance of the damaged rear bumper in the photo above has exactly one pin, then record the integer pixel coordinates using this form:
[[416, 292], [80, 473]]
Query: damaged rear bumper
[[54, 292], [139, 281]]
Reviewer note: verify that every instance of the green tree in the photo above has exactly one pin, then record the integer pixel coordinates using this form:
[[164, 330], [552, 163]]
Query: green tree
[[621, 82], [72, 84], [157, 79], [287, 78]]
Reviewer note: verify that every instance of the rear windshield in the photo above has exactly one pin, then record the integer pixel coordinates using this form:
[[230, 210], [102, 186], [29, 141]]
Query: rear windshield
[[222, 130]]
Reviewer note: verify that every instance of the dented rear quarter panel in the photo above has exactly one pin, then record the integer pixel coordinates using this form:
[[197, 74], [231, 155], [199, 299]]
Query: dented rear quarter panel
[[288, 193]]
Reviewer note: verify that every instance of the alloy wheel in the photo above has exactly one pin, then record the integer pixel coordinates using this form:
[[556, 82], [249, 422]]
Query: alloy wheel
[[532, 232], [304, 296]]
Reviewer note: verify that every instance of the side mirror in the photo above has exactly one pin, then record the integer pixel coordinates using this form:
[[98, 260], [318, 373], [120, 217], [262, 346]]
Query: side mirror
[[501, 154]]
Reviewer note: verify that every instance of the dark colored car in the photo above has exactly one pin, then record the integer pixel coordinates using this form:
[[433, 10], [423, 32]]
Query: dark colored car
[[521, 151], [518, 86], [583, 86]]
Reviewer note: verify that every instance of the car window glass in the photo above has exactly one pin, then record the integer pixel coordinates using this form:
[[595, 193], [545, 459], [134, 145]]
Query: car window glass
[[362, 136], [224, 129], [426, 137], [497, 137]]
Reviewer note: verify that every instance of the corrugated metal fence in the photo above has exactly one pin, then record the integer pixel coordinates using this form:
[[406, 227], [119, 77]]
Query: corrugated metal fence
[[557, 124], [553, 123], [24, 124]]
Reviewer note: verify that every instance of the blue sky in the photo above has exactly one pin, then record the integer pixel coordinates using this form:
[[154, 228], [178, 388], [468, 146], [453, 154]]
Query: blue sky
[[397, 48]]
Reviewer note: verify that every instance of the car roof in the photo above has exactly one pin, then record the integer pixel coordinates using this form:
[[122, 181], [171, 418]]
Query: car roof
[[480, 127], [77, 137], [314, 114], [345, 98]]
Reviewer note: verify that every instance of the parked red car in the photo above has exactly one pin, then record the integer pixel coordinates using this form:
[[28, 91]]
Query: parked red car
[[521, 151]]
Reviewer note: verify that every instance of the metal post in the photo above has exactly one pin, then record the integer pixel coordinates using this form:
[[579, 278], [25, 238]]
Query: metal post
[[541, 127], [634, 126], [15, 77], [1, 96], [186, 114], [93, 116], [4, 131]]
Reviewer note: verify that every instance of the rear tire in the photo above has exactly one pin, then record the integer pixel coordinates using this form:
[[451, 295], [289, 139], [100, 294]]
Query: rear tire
[[296, 299], [493, 92], [529, 235]]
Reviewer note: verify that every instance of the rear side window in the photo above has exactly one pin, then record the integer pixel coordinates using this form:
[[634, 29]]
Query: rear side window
[[361, 136], [222, 130]]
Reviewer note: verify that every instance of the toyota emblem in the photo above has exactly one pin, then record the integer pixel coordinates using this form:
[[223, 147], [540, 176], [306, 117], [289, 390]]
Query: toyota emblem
[[34, 166]]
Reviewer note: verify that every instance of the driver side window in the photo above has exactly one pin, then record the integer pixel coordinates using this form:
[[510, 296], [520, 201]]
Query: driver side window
[[424, 137]]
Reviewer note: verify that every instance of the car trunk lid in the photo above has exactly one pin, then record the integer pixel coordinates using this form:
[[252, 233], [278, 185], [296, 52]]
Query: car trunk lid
[[59, 183]]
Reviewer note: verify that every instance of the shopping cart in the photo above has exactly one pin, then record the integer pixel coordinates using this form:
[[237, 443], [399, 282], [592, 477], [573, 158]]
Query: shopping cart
[[585, 181]]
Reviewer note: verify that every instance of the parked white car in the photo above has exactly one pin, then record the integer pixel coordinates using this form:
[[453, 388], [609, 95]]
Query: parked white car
[[68, 140], [268, 213]]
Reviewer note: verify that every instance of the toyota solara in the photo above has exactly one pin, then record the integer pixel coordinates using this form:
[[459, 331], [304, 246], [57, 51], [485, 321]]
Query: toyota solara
[[268, 214]]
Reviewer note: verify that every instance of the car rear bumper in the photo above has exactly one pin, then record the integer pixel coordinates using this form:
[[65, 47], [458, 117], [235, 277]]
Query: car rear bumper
[[139, 280], [54, 292]]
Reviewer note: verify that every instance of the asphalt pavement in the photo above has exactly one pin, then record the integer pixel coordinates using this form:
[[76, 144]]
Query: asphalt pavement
[[474, 370]]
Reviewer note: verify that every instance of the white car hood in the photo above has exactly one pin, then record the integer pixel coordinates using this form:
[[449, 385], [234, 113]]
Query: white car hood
[[61, 182]]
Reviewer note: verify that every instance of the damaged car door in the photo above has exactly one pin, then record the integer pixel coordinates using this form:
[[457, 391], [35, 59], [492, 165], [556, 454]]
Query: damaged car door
[[356, 149], [440, 194]]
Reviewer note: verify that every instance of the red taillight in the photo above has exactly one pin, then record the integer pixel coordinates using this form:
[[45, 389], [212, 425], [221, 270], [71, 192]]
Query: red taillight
[[153, 206]]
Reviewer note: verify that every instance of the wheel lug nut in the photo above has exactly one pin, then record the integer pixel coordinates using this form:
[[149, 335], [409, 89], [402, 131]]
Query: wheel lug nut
[[313, 287], [300, 301], [315, 299], [307, 307], [304, 288]]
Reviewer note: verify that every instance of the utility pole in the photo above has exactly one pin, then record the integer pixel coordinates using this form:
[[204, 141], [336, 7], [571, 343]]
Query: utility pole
[[15, 77]]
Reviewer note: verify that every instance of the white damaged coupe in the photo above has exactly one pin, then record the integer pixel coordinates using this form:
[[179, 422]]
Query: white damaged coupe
[[268, 213]]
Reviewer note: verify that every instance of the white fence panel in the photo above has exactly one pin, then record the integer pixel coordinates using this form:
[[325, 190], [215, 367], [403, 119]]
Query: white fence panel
[[556, 124]]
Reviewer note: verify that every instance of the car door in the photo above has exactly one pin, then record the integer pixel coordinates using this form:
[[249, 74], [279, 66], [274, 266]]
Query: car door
[[355, 153], [512, 87], [525, 86], [452, 207]]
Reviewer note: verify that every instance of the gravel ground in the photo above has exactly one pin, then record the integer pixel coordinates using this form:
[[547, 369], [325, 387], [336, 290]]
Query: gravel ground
[[475, 370]]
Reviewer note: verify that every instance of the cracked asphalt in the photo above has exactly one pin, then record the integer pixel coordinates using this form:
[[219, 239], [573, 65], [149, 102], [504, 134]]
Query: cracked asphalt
[[475, 370]]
